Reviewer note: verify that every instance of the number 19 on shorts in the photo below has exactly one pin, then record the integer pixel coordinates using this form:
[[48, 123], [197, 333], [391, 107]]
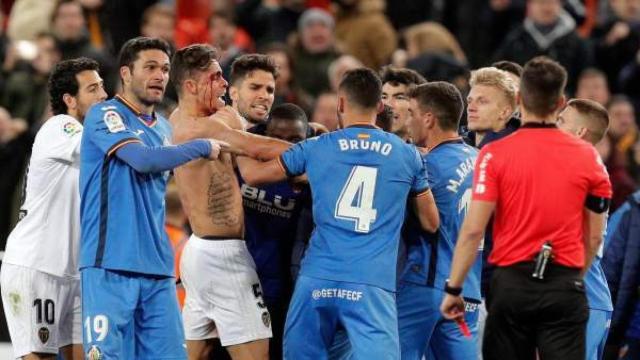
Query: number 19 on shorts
[[356, 198], [98, 326]]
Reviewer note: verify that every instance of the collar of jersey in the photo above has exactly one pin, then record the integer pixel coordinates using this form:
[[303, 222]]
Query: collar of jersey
[[537, 125], [362, 125], [451, 141], [148, 120]]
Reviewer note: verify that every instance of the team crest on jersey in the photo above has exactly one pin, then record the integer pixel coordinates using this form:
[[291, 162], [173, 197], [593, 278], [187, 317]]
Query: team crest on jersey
[[113, 121], [94, 353], [43, 334], [266, 319], [71, 128]]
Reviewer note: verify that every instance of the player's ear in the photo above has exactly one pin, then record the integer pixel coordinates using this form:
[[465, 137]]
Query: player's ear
[[233, 94], [190, 86], [125, 74], [340, 105], [582, 133], [380, 107], [562, 101], [70, 101]]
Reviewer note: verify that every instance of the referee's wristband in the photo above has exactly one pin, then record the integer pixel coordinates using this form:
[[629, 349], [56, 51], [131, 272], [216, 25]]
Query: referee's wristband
[[455, 291]]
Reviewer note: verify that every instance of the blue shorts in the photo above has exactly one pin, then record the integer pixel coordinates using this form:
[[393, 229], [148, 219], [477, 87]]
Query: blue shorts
[[423, 331], [130, 316], [597, 332], [319, 307]]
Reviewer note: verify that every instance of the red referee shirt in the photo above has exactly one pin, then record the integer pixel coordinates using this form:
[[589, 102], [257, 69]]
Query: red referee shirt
[[539, 178]]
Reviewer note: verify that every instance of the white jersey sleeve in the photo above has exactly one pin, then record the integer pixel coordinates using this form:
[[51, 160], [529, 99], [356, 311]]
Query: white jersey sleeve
[[46, 238]]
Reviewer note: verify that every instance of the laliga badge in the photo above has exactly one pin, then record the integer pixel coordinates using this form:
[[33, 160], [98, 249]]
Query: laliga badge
[[94, 353], [113, 121]]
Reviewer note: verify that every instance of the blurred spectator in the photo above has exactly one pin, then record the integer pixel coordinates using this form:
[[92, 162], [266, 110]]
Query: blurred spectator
[[98, 25], [325, 111], [159, 21], [551, 31], [15, 143], [592, 84], [496, 18], [69, 27], [338, 67], [267, 23], [175, 225], [225, 36], [435, 53], [314, 51], [363, 31], [617, 39], [287, 91], [623, 133], [25, 93], [396, 83], [29, 18]]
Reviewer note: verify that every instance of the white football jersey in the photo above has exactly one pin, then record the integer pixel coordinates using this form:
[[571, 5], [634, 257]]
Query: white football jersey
[[47, 235]]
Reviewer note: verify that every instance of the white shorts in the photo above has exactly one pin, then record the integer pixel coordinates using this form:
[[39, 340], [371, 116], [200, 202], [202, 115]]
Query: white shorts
[[43, 311], [224, 298]]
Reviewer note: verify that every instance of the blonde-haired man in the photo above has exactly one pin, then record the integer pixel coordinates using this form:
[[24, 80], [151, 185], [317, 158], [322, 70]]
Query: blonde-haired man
[[491, 104]]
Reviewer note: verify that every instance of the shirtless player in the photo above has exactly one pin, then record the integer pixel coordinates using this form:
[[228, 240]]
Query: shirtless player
[[224, 298]]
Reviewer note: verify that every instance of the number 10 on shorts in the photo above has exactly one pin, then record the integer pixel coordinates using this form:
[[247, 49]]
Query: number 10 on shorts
[[99, 326]]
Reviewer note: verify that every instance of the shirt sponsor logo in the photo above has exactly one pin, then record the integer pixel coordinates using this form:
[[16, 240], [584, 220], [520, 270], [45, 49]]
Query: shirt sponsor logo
[[256, 199], [70, 128], [481, 187], [113, 121], [350, 295]]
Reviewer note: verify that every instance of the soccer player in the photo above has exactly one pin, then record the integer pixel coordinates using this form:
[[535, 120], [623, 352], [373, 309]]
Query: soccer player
[[360, 178], [395, 86], [40, 280], [549, 218], [589, 121], [436, 109], [271, 216], [129, 304], [224, 296], [252, 87]]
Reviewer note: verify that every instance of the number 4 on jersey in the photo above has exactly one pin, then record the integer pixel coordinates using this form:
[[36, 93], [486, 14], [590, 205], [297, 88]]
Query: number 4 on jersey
[[356, 198]]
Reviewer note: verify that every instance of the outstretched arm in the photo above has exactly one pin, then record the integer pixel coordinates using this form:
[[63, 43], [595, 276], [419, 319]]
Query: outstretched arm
[[146, 159], [256, 173]]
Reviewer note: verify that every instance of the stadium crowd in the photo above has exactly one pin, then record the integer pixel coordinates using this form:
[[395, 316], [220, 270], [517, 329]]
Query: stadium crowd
[[453, 78]]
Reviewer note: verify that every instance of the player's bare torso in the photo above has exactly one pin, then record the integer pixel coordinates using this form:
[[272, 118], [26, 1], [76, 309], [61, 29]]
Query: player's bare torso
[[209, 189]]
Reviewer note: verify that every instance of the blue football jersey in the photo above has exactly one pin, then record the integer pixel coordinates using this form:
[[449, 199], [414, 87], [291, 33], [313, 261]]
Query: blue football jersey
[[360, 178], [121, 210], [450, 168], [595, 282], [271, 215]]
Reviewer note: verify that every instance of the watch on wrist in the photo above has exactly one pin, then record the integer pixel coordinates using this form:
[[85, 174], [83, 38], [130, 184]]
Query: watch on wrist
[[455, 291]]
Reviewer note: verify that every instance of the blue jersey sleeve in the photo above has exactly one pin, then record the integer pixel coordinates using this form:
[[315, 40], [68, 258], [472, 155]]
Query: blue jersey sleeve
[[294, 160], [420, 183], [106, 128]]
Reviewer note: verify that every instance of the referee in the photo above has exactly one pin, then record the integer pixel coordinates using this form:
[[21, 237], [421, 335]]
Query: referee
[[550, 193]]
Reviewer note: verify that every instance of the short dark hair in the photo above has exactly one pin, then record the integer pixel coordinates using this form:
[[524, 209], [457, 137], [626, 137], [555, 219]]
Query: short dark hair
[[443, 100], [509, 66], [400, 76], [596, 116], [542, 85], [63, 81], [245, 64], [288, 112], [130, 50], [362, 88], [190, 59]]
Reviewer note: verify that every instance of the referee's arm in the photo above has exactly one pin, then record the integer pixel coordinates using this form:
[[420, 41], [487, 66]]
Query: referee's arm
[[465, 254]]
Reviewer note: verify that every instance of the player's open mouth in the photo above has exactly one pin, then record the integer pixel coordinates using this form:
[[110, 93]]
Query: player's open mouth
[[260, 108], [156, 87]]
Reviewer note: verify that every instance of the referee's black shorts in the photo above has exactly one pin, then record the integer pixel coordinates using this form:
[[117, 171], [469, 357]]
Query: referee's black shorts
[[525, 314]]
